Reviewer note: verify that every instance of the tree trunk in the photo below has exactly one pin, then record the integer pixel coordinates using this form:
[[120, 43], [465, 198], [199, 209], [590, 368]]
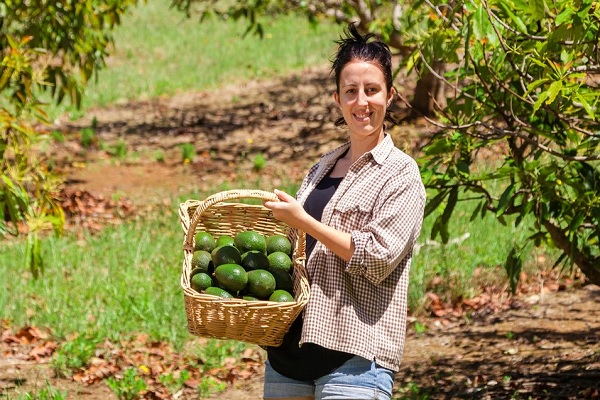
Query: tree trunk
[[429, 91], [589, 267]]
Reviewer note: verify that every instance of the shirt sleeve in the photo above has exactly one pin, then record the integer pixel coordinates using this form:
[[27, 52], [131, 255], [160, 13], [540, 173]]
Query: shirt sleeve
[[390, 235]]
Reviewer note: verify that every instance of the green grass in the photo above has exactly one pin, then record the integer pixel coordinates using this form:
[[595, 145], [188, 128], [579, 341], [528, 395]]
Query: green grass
[[46, 392], [475, 257], [126, 278], [160, 52]]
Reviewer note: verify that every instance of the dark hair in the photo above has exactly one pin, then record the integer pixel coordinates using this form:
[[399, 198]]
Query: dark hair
[[356, 47]]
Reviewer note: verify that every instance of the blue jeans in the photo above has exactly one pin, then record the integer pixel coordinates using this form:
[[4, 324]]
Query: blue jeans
[[357, 379]]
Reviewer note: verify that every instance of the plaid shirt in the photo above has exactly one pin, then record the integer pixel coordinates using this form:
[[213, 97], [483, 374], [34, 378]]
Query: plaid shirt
[[360, 306]]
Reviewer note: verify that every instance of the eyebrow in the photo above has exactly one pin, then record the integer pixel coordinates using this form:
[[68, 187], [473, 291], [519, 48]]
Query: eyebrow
[[346, 84]]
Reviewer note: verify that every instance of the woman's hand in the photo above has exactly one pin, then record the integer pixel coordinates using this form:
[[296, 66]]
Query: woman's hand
[[288, 210], [293, 214]]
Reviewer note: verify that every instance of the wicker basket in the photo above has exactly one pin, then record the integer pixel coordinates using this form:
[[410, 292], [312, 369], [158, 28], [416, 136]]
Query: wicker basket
[[260, 322]]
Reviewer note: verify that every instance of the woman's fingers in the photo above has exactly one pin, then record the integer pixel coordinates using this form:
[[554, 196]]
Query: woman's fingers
[[283, 196]]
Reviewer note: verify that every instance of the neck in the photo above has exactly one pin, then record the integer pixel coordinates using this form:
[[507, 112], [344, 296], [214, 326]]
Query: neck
[[358, 147]]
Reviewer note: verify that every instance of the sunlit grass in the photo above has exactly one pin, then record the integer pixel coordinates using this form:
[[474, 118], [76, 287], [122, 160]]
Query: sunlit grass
[[160, 52], [127, 278]]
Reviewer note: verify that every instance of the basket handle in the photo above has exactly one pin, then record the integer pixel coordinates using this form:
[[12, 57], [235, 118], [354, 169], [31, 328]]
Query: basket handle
[[218, 198]]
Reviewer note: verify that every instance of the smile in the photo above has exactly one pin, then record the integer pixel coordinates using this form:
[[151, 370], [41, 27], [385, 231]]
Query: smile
[[362, 116]]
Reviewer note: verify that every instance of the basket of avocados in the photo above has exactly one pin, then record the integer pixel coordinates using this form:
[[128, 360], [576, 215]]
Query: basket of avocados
[[244, 275]]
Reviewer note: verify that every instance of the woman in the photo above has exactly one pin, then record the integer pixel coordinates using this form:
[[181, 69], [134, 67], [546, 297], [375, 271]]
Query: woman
[[361, 207]]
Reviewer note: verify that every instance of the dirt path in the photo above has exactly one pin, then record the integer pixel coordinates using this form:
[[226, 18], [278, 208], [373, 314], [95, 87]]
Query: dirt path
[[288, 121], [546, 349]]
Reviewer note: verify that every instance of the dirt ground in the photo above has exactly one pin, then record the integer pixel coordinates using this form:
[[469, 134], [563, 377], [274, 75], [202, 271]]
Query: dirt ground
[[545, 347], [541, 345]]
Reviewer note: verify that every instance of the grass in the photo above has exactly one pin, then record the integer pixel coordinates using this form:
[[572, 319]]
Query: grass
[[474, 257], [46, 392], [160, 52], [126, 278], [123, 280]]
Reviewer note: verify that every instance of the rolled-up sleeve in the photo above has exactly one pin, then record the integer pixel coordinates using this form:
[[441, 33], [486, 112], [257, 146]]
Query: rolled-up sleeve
[[389, 236]]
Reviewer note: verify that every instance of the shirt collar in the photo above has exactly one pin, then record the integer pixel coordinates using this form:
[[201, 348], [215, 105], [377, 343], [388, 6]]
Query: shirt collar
[[383, 149], [379, 153]]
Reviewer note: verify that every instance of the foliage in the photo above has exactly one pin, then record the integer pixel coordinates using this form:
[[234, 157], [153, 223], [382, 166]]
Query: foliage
[[259, 162], [74, 354], [129, 387], [523, 87], [27, 188], [45, 393], [209, 386], [522, 84], [119, 150], [53, 46], [386, 18], [87, 137], [188, 152], [174, 381]]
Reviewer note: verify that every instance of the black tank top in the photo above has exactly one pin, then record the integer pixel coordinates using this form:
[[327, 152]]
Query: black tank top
[[311, 361]]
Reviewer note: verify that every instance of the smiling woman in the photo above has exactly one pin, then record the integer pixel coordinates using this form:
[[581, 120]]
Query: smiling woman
[[361, 207]]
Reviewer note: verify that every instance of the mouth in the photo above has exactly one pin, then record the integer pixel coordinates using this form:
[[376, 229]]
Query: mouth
[[362, 116]]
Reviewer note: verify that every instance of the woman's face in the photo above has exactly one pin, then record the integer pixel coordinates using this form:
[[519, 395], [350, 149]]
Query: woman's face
[[363, 99]]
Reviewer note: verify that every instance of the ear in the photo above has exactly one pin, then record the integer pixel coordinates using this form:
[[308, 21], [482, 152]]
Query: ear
[[391, 96], [336, 98]]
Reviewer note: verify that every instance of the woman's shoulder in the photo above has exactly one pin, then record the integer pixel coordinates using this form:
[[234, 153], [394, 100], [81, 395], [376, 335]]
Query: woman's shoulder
[[403, 168], [400, 158]]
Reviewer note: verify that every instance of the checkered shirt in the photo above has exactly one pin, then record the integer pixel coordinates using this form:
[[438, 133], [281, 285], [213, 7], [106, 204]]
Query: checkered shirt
[[360, 306]]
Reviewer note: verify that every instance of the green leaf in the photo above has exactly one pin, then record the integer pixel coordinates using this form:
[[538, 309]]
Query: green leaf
[[439, 146], [586, 106], [553, 91], [463, 168], [567, 57], [525, 210], [28, 260], [480, 22], [535, 84], [521, 27], [434, 203], [450, 205], [537, 9], [37, 266], [513, 266], [576, 222], [564, 16], [412, 60], [12, 201], [538, 103], [505, 199]]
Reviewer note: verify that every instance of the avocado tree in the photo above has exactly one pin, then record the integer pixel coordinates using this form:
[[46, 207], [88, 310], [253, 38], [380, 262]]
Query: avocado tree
[[45, 46], [523, 84]]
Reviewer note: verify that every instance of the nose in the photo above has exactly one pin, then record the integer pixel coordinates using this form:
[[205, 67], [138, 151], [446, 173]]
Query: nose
[[362, 98]]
